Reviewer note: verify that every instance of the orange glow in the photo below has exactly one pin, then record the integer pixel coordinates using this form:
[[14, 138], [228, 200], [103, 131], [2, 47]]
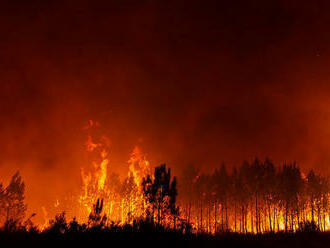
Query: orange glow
[[124, 200]]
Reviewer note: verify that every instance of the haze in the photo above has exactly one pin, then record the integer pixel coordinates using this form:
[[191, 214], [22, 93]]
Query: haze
[[189, 82]]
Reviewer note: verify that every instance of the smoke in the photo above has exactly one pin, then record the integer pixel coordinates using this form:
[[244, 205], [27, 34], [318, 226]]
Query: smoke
[[189, 83]]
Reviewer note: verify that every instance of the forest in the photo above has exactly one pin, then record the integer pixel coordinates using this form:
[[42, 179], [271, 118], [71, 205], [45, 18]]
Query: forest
[[247, 203], [255, 197]]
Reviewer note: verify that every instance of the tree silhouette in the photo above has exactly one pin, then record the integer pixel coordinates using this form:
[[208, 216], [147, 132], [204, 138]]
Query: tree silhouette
[[161, 192], [222, 185], [255, 197], [58, 225], [13, 197], [95, 218], [187, 189]]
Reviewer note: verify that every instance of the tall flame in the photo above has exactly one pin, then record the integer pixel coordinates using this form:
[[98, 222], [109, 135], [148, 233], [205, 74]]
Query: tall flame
[[120, 206], [139, 167], [94, 181]]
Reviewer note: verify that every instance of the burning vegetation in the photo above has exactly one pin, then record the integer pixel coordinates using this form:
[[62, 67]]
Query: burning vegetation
[[256, 197]]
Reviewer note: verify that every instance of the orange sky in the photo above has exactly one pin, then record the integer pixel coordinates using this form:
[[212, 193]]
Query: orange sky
[[190, 83]]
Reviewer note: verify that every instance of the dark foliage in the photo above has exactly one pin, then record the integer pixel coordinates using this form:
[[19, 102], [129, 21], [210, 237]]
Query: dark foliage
[[259, 186]]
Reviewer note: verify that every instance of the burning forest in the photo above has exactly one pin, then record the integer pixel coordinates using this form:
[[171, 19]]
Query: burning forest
[[164, 121], [255, 197]]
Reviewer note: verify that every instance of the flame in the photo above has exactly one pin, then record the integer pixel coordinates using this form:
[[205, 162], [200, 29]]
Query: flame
[[57, 203], [93, 182], [96, 183], [139, 167], [46, 218], [124, 200]]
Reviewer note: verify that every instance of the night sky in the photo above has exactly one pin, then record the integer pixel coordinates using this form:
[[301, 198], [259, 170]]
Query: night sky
[[190, 82]]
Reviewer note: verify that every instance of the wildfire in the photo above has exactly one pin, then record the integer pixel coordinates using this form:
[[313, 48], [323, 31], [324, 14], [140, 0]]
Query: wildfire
[[139, 167], [120, 204], [123, 199], [45, 213]]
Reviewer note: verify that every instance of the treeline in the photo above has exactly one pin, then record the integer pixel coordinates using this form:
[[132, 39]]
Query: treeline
[[154, 201], [12, 206], [128, 204], [254, 197], [152, 196]]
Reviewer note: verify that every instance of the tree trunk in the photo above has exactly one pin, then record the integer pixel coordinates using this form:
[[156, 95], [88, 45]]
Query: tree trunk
[[215, 216], [286, 217], [201, 216], [235, 217], [189, 212], [257, 221], [226, 212], [312, 206], [270, 218]]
